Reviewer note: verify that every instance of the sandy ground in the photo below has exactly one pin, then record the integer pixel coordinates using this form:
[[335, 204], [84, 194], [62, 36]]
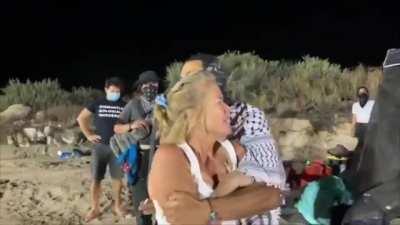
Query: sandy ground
[[37, 188]]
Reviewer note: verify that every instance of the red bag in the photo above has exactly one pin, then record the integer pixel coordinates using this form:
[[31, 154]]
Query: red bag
[[315, 171]]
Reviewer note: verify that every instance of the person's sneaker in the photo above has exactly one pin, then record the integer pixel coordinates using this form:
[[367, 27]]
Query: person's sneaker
[[339, 151]]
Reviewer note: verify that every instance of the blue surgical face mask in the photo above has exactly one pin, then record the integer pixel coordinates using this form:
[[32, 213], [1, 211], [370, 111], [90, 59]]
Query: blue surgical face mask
[[113, 96]]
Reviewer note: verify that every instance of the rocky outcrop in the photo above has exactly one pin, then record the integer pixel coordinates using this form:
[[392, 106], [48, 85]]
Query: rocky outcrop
[[50, 135], [14, 112], [298, 140]]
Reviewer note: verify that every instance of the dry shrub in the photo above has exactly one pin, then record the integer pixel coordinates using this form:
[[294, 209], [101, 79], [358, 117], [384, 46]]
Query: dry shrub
[[63, 114]]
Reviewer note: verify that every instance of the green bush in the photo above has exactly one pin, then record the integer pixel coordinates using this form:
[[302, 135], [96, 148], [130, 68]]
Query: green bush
[[45, 94], [173, 74], [64, 114], [310, 86], [39, 94], [84, 95]]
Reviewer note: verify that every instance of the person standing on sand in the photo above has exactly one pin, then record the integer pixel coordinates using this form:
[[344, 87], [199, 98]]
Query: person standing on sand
[[361, 113], [105, 112], [137, 114]]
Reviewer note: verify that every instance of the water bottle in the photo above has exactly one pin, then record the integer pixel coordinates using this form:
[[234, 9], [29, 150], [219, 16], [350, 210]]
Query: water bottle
[[64, 155]]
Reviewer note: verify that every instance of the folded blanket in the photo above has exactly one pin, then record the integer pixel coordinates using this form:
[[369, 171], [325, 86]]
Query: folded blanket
[[121, 142], [125, 148]]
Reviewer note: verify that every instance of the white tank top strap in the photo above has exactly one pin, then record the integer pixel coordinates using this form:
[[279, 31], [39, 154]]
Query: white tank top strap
[[194, 163], [230, 149], [204, 189]]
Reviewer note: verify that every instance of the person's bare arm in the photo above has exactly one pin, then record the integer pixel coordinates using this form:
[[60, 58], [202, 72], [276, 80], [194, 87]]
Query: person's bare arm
[[232, 182], [247, 201], [121, 128], [170, 172], [243, 203], [84, 119], [130, 119]]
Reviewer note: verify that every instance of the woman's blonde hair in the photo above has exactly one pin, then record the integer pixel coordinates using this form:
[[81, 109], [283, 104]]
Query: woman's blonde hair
[[185, 109]]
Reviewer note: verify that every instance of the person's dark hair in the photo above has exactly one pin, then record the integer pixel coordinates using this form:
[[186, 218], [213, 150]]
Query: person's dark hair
[[212, 64], [206, 59], [116, 81], [362, 87]]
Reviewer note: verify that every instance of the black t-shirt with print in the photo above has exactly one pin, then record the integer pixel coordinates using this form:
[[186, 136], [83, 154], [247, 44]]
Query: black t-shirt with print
[[106, 114]]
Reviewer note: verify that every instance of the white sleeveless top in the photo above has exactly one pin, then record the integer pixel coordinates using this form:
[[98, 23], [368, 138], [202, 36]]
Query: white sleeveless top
[[204, 189]]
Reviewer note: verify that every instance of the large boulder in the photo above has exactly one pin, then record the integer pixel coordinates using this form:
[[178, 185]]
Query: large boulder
[[21, 140], [329, 140], [40, 116], [291, 124], [286, 109], [31, 133], [15, 112], [34, 135], [48, 131], [294, 139], [343, 129], [298, 140], [10, 140], [68, 136]]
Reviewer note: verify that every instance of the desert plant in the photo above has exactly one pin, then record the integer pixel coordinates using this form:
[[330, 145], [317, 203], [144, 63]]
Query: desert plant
[[39, 94], [173, 74], [316, 81], [63, 114], [84, 95], [309, 85], [374, 79]]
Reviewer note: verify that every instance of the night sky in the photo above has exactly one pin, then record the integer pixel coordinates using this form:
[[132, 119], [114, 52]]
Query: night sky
[[82, 42]]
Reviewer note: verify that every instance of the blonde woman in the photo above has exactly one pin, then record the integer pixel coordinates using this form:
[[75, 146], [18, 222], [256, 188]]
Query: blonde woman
[[251, 128], [192, 160]]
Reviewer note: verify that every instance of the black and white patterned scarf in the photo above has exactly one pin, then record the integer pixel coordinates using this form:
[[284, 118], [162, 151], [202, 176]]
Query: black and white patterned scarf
[[261, 160], [147, 107]]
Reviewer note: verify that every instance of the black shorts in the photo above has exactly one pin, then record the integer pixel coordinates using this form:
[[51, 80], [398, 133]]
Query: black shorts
[[102, 156]]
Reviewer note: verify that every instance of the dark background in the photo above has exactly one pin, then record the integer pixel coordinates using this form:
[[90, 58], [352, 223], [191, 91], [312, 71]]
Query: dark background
[[82, 42]]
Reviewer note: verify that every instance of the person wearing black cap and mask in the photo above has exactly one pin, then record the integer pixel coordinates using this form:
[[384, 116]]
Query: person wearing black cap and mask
[[137, 114], [361, 113]]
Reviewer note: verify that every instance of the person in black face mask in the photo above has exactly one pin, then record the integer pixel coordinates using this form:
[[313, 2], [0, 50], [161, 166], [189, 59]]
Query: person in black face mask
[[137, 114], [149, 90], [361, 113]]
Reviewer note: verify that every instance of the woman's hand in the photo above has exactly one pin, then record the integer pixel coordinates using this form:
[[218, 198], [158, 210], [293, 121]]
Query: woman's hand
[[183, 208], [147, 207], [231, 182]]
